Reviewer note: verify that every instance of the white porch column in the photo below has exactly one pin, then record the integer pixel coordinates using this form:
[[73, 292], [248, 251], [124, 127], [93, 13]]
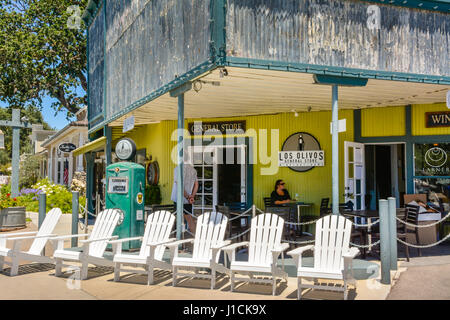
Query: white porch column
[[69, 178], [335, 151], [80, 167], [49, 163]]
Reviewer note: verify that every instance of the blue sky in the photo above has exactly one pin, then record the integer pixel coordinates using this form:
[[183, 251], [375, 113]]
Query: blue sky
[[58, 121]]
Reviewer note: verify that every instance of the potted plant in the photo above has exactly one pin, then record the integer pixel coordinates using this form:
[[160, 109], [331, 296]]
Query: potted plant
[[12, 212]]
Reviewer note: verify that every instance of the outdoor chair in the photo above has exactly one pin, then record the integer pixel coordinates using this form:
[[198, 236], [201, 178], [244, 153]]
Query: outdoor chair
[[285, 212], [267, 202], [160, 207], [264, 248], [234, 226], [208, 243], [35, 253], [333, 257], [324, 207], [156, 236], [411, 216], [93, 248]]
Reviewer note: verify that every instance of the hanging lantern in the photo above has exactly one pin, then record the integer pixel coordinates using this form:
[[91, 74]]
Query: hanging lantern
[[2, 140]]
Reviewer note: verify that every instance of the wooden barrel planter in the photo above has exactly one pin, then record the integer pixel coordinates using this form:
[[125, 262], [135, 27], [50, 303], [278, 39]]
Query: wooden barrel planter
[[12, 218]]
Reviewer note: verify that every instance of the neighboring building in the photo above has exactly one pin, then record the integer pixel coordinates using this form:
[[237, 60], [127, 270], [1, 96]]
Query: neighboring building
[[38, 136], [61, 166], [269, 68]]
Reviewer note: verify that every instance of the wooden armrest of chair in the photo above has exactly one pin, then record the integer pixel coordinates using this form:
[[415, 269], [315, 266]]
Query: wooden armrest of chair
[[281, 248], [300, 250], [100, 239], [351, 253], [233, 246], [177, 243], [125, 240]]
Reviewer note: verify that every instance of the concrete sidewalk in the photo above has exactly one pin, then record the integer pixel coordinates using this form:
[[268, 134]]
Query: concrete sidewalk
[[426, 277], [37, 281]]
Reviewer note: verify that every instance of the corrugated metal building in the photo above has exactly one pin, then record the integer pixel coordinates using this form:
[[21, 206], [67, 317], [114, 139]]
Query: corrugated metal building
[[263, 63]]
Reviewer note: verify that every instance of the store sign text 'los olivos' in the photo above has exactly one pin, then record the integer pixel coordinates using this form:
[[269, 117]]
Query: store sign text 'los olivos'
[[301, 152]]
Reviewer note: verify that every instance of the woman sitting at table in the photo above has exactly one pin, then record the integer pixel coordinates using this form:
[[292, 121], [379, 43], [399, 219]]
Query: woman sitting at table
[[280, 195]]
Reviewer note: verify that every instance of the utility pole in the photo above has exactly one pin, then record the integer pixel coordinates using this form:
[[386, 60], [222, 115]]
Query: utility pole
[[16, 125]]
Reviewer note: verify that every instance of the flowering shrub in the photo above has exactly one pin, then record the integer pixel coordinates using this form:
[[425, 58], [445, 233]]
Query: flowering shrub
[[58, 196]]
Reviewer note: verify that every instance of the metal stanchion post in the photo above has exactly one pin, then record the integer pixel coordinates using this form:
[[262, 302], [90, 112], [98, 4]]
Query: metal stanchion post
[[75, 210], [42, 211], [384, 242], [42, 208], [393, 232]]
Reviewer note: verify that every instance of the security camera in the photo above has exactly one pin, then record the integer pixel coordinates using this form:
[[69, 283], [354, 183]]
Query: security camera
[[24, 119]]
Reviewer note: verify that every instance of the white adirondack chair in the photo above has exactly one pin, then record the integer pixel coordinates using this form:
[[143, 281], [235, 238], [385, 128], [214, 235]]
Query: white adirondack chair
[[156, 236], [34, 254], [93, 248], [264, 248], [333, 258], [208, 241]]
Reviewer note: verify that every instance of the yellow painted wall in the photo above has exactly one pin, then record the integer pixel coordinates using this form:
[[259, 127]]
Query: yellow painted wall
[[311, 186], [418, 119], [382, 122]]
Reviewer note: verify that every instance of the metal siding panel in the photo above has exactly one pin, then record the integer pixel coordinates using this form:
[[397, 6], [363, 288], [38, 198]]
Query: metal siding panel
[[418, 120], [149, 44], [383, 122], [335, 33], [96, 66]]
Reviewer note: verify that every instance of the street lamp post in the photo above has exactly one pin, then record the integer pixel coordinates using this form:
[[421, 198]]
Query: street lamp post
[[16, 125]]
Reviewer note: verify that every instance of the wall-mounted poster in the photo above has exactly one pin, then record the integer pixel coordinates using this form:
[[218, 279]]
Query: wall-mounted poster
[[301, 152]]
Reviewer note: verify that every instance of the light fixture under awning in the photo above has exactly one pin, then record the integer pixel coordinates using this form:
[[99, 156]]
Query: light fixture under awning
[[91, 146]]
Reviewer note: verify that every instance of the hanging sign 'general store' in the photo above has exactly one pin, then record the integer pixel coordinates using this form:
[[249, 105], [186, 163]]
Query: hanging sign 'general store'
[[301, 152], [437, 119], [222, 127]]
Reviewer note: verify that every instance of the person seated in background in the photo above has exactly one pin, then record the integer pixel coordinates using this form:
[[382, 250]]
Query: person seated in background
[[280, 195]]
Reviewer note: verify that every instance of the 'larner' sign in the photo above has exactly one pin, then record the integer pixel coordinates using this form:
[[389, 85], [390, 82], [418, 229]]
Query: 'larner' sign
[[437, 119]]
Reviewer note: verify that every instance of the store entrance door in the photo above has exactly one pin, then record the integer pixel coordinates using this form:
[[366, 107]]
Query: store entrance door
[[221, 172], [354, 174], [385, 173]]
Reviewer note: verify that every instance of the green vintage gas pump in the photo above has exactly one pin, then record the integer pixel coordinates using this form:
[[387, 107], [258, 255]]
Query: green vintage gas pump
[[125, 185]]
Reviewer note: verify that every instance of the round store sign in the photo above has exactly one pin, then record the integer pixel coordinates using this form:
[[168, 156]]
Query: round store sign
[[301, 152]]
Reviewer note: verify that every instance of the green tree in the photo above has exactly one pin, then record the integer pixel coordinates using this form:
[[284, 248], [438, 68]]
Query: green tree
[[29, 170], [41, 55]]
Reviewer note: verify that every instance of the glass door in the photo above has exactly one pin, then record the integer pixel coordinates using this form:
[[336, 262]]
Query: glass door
[[221, 174], [203, 160], [355, 189]]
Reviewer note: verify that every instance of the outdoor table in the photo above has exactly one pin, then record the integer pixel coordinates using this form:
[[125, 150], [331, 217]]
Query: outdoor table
[[366, 214], [299, 205], [244, 217]]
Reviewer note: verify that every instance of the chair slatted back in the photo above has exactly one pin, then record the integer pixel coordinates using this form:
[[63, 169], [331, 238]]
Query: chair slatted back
[[158, 228], [267, 202], [324, 210], [331, 241], [47, 227], [209, 232], [265, 234], [412, 214], [104, 226]]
